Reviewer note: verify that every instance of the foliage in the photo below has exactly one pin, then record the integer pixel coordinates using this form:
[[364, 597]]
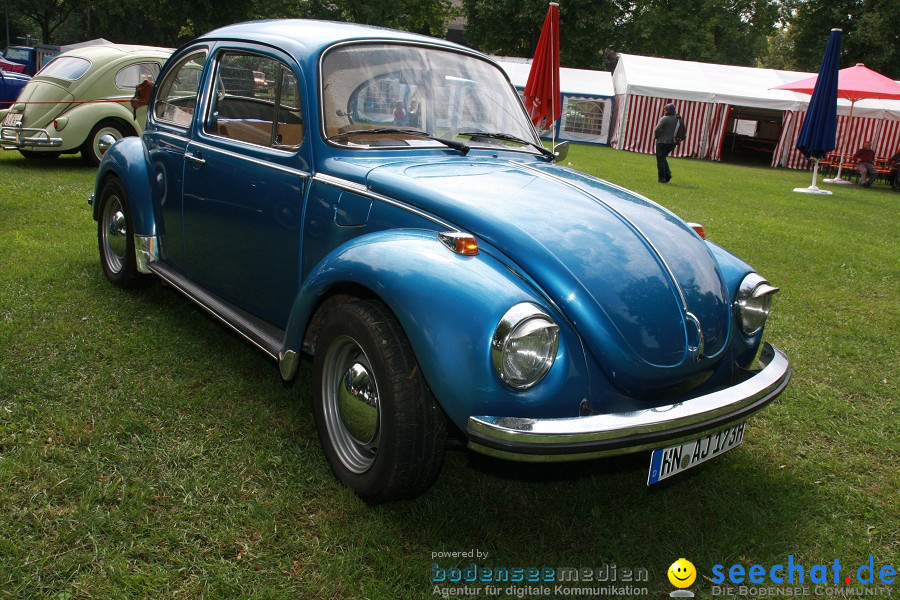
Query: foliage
[[739, 32], [48, 15], [429, 17], [512, 28], [869, 35], [146, 452]]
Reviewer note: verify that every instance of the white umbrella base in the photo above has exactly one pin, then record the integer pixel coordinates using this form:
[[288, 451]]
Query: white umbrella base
[[812, 190]]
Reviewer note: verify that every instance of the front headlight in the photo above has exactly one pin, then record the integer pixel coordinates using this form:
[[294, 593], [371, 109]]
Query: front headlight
[[754, 298], [524, 345]]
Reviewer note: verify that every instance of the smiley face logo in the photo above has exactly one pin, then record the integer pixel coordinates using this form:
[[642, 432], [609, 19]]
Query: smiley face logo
[[682, 573]]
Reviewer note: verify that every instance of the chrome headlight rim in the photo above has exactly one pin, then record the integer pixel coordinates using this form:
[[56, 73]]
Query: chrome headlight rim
[[753, 303], [528, 318]]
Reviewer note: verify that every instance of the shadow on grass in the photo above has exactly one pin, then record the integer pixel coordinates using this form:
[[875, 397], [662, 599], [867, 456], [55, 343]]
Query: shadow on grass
[[578, 514], [38, 166]]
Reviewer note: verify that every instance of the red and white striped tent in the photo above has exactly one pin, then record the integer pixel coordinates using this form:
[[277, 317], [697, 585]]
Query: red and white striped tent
[[704, 95]]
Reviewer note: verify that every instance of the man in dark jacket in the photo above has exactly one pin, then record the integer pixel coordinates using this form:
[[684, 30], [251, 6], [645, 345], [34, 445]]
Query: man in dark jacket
[[665, 142]]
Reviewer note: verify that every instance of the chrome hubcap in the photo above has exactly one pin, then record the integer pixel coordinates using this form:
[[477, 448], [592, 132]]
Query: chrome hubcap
[[351, 405], [114, 233], [105, 138]]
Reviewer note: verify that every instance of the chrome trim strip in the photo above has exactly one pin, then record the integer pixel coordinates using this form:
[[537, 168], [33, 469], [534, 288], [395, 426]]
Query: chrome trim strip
[[352, 186], [256, 161], [583, 437], [345, 184], [212, 312], [169, 134], [146, 250]]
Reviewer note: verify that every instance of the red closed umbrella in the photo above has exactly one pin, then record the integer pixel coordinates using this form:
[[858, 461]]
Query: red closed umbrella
[[542, 97], [854, 83]]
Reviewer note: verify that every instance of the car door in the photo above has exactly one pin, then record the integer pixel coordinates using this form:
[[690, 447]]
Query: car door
[[171, 121], [245, 180]]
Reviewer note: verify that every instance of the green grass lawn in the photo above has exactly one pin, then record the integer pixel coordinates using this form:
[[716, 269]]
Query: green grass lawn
[[146, 452]]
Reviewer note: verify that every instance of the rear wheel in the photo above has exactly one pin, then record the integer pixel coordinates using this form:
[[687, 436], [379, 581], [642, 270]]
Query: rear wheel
[[115, 237], [98, 141], [382, 431]]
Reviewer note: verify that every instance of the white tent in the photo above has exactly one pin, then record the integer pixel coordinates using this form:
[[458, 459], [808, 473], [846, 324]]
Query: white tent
[[587, 100], [716, 100]]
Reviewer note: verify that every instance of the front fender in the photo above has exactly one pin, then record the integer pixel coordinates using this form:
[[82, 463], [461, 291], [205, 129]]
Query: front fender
[[449, 306], [128, 161]]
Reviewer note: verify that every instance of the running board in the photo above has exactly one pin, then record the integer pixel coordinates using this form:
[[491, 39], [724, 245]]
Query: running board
[[261, 334]]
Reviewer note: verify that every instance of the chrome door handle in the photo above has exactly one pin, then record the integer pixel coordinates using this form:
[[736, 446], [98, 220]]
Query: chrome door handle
[[194, 158]]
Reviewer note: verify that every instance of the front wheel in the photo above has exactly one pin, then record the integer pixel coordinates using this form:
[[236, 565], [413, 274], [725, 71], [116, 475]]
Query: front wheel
[[382, 431], [115, 237]]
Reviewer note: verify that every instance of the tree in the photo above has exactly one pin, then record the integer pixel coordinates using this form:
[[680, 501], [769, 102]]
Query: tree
[[869, 33], [429, 17], [512, 28], [47, 14], [732, 32]]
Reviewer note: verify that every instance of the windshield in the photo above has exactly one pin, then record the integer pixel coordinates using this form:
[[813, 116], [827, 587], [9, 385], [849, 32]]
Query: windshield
[[17, 54], [66, 67], [389, 88]]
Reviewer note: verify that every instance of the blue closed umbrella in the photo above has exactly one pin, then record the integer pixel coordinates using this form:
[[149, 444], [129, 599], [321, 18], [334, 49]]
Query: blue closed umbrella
[[819, 130]]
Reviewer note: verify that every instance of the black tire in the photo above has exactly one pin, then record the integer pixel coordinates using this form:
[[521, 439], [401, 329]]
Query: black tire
[[115, 238], [396, 445], [90, 149], [32, 155]]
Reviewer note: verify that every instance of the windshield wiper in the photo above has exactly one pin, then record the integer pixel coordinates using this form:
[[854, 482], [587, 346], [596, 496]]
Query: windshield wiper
[[463, 148], [508, 137]]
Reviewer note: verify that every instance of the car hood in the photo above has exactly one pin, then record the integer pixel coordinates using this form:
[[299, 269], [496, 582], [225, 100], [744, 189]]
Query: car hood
[[48, 98], [639, 286]]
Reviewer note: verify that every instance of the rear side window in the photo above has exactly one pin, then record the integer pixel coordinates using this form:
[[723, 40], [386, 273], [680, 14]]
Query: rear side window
[[256, 101], [177, 95], [129, 77], [70, 68]]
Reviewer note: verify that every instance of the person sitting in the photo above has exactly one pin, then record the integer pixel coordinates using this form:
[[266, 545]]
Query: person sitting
[[866, 165], [894, 176]]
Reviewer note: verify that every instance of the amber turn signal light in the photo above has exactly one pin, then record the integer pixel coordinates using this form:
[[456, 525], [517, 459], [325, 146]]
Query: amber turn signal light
[[461, 243], [699, 229]]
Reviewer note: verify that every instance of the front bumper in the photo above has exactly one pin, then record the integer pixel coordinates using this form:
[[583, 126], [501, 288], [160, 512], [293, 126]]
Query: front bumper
[[577, 438], [17, 138]]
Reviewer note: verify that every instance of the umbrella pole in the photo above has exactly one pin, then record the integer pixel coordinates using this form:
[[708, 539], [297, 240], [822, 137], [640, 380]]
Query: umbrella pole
[[813, 189], [837, 178]]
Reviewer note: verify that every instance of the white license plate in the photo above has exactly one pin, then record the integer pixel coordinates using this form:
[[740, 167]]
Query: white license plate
[[12, 119], [665, 462]]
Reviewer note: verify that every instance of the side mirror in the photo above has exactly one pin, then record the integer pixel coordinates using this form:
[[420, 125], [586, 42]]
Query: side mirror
[[142, 93], [560, 151]]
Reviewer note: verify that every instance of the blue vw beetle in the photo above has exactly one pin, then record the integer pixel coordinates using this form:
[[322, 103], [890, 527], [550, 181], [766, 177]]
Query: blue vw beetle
[[384, 206]]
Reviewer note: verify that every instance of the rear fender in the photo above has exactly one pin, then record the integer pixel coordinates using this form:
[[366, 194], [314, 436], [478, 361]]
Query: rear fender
[[82, 118], [449, 306]]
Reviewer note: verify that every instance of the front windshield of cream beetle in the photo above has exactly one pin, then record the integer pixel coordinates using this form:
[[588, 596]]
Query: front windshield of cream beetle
[[391, 88]]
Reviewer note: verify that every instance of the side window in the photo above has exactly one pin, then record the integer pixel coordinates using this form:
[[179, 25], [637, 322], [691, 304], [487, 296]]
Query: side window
[[129, 77], [257, 101], [177, 96]]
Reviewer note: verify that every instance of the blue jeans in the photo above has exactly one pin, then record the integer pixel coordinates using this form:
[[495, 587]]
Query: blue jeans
[[662, 165]]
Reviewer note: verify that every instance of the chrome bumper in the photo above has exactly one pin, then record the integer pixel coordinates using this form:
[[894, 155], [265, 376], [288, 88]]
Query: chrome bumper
[[16, 138], [576, 438]]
